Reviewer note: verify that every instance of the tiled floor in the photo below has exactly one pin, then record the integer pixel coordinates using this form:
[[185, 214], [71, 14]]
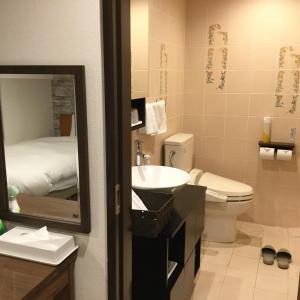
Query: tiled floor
[[236, 272]]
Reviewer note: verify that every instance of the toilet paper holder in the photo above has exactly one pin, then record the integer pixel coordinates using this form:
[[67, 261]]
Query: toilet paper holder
[[278, 147]]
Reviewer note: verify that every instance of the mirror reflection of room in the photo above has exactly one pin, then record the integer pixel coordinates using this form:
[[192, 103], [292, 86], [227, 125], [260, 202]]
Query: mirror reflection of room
[[39, 124]]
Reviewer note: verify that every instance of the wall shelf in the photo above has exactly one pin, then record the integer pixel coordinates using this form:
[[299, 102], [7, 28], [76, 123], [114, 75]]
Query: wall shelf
[[277, 145], [139, 105]]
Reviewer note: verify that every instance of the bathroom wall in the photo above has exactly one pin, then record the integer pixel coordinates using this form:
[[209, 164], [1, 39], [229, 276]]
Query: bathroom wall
[[62, 32], [139, 21], [242, 63], [166, 69]]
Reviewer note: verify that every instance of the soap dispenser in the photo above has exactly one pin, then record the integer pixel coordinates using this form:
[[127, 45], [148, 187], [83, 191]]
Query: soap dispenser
[[266, 133], [13, 191]]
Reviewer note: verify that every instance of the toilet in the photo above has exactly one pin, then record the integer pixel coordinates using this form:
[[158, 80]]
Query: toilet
[[226, 199]]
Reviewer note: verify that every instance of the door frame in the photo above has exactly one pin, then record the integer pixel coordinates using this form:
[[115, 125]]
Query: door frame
[[117, 85]]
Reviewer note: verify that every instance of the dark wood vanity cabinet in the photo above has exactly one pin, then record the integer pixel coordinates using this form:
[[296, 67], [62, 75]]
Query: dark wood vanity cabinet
[[179, 242], [25, 280]]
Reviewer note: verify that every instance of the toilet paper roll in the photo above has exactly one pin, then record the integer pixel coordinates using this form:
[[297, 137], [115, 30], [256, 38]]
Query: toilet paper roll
[[266, 153], [285, 155]]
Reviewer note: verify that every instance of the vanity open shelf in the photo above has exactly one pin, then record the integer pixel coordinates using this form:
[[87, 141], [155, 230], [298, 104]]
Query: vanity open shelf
[[164, 266]]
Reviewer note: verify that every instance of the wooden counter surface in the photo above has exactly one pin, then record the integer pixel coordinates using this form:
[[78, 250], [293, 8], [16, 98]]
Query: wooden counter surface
[[48, 207], [21, 279]]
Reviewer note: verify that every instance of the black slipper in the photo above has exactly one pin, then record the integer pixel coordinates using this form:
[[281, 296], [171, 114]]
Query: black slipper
[[284, 258], [268, 254]]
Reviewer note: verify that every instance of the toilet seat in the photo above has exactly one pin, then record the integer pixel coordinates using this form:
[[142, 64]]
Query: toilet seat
[[226, 199], [221, 189]]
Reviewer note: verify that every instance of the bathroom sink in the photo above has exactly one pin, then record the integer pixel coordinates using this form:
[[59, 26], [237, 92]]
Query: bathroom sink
[[160, 178]]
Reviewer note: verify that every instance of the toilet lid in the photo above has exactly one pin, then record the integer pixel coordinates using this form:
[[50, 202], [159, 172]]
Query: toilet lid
[[225, 186]]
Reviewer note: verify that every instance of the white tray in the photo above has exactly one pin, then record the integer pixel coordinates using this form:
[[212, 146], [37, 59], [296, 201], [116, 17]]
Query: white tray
[[52, 251]]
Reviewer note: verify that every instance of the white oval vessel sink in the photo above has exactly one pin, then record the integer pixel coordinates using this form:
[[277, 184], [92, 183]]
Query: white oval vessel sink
[[158, 178]]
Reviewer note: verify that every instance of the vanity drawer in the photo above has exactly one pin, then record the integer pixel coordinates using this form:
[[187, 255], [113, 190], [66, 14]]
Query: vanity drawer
[[54, 289]]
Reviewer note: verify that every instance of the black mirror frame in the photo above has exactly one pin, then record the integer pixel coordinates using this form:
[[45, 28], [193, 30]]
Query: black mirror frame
[[81, 115]]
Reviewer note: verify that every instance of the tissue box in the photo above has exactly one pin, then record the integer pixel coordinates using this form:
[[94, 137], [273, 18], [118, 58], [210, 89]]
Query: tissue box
[[37, 245]]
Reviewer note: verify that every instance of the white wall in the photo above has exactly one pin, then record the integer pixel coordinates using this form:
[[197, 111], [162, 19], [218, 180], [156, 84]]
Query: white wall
[[26, 109], [68, 32]]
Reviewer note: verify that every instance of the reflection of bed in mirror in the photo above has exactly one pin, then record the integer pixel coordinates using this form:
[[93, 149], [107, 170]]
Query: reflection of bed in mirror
[[43, 122], [45, 166]]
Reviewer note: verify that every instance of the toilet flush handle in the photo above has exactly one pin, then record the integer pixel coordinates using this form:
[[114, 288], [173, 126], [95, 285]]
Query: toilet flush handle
[[171, 158]]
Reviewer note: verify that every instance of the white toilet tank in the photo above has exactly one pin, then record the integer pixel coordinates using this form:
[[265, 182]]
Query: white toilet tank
[[179, 151]]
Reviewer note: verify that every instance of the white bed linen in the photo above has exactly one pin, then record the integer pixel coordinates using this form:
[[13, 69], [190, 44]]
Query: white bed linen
[[36, 166], [65, 184]]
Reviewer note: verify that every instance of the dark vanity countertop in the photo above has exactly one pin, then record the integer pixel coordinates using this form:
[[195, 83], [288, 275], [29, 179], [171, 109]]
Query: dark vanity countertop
[[186, 199]]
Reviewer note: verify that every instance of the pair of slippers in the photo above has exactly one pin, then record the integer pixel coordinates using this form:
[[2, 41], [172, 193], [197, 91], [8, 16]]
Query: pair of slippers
[[283, 256]]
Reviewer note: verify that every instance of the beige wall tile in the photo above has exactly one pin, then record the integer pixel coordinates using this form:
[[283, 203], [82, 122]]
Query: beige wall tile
[[238, 81], [264, 57], [194, 81], [139, 58], [210, 164], [262, 105], [212, 147], [252, 150], [154, 82], [287, 33], [217, 11], [263, 82], [234, 169], [239, 57], [154, 53], [214, 104], [196, 34], [195, 58], [281, 128], [139, 81], [159, 25], [213, 126], [193, 104], [193, 124], [235, 149], [237, 104], [236, 127], [254, 127], [266, 30]]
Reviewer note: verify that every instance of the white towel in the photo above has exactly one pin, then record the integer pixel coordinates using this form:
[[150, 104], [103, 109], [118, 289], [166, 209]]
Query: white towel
[[156, 118], [137, 203], [161, 116]]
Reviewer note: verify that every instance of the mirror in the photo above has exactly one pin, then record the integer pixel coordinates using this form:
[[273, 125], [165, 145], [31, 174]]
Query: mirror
[[44, 144], [139, 23]]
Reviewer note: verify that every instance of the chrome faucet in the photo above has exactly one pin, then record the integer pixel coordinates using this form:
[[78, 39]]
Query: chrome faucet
[[140, 156]]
